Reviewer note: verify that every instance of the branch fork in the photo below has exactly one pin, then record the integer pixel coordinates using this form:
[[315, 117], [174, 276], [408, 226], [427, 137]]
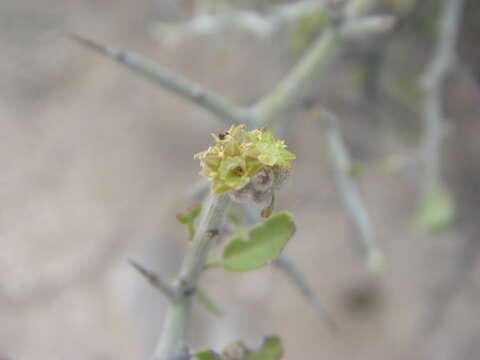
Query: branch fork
[[284, 98]]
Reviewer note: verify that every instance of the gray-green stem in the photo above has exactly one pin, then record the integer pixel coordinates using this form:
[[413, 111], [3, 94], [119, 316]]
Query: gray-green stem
[[348, 190], [300, 80], [432, 83], [172, 344], [173, 82]]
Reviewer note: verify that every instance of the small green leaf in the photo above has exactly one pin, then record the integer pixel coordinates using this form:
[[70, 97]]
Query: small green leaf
[[436, 211], [208, 303], [271, 350], [188, 216], [375, 262], [207, 355], [261, 245]]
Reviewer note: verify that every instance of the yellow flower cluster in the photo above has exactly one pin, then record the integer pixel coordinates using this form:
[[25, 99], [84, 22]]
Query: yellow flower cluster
[[238, 154]]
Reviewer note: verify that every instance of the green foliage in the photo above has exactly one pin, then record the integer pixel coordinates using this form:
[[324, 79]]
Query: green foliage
[[261, 245], [375, 262], [437, 210], [306, 29], [188, 217], [207, 355], [271, 349]]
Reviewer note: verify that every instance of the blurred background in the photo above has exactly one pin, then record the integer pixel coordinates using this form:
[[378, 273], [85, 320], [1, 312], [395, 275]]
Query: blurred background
[[95, 163]]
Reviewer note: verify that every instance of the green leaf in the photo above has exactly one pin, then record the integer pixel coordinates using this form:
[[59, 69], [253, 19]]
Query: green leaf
[[436, 211], [375, 262], [271, 350], [207, 355], [261, 245], [188, 216]]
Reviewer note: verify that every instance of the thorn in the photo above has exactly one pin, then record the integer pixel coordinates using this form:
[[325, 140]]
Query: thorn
[[154, 280], [88, 43], [299, 280], [118, 55], [170, 81]]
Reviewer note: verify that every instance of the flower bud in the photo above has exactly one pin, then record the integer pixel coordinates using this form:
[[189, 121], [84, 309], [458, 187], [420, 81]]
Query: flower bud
[[240, 158]]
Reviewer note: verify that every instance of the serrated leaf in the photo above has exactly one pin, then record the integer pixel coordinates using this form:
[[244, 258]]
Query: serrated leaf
[[436, 211], [271, 350], [188, 216], [207, 355], [261, 245]]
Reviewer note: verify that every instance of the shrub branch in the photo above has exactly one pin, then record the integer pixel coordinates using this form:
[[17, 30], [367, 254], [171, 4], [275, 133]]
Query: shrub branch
[[175, 83], [348, 190], [431, 83], [172, 344], [153, 279]]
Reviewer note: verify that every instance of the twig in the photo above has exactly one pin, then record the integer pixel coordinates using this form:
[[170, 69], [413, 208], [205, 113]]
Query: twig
[[298, 279], [431, 84], [170, 291], [300, 80], [348, 190], [284, 97], [367, 26], [356, 7], [172, 345], [175, 83], [263, 26], [289, 92], [167, 289]]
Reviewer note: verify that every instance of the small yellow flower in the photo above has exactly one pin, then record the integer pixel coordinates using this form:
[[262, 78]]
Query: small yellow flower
[[238, 154]]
